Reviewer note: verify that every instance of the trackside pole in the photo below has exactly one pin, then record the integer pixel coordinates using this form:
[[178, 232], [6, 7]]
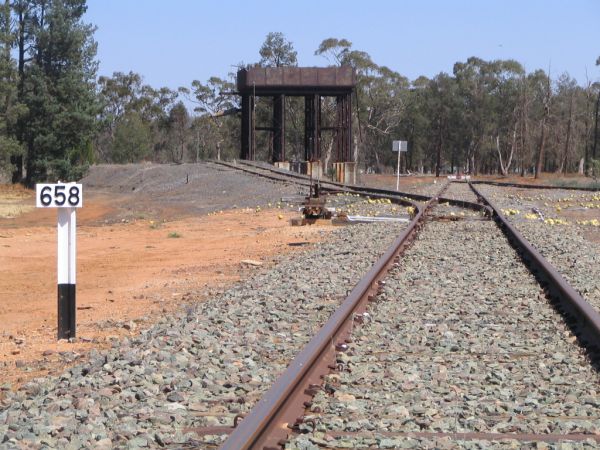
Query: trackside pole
[[399, 146], [398, 173], [66, 197], [67, 250]]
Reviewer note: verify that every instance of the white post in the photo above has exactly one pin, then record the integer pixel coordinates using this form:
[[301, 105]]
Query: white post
[[66, 271], [399, 146], [66, 197], [398, 171]]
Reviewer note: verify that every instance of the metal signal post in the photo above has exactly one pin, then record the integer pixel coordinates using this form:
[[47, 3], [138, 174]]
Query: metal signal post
[[66, 197]]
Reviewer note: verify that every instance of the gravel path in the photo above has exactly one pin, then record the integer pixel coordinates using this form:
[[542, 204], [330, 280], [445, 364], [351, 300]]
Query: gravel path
[[438, 355], [559, 238], [199, 368]]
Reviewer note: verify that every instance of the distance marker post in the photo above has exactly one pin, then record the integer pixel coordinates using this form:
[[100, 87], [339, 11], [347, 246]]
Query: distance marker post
[[66, 197]]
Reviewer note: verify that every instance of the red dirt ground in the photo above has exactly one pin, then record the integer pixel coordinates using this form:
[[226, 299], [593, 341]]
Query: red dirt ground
[[128, 274]]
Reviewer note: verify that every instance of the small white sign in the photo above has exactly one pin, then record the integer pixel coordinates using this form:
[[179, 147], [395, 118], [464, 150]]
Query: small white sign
[[399, 146], [459, 177], [58, 195]]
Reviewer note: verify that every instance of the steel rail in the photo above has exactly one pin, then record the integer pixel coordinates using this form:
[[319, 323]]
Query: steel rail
[[536, 186], [472, 435], [374, 192], [572, 301], [361, 190], [270, 421], [238, 165], [395, 197]]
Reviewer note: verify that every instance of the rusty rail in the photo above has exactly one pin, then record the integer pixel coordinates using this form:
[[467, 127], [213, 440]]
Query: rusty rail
[[332, 186], [577, 307], [248, 166], [536, 186], [272, 418]]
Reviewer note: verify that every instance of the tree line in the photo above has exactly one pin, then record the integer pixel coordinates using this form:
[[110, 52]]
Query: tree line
[[57, 116]]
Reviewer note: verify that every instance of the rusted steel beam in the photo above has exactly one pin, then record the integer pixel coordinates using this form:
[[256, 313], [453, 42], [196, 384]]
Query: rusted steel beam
[[271, 419], [278, 128], [343, 125], [248, 127], [246, 124], [296, 80], [312, 127], [587, 316]]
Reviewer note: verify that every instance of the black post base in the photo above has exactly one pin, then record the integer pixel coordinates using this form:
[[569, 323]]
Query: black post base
[[66, 311]]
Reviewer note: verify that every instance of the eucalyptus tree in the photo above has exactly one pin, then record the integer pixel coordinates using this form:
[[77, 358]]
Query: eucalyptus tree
[[125, 98], [540, 90], [132, 140], [385, 96], [503, 111], [367, 74], [416, 125], [213, 102], [277, 51], [118, 95], [178, 132], [441, 105], [334, 50], [594, 154], [564, 129]]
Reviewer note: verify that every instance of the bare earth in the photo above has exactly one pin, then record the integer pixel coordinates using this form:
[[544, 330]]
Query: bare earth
[[128, 273]]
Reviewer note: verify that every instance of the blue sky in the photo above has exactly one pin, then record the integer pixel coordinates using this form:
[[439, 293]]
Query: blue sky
[[171, 43]]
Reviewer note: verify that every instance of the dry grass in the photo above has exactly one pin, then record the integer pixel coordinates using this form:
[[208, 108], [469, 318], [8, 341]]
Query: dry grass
[[15, 200]]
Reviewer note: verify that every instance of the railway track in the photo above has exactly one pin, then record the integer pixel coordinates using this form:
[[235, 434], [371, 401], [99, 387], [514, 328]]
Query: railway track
[[472, 339], [564, 226], [223, 367], [182, 382], [272, 173]]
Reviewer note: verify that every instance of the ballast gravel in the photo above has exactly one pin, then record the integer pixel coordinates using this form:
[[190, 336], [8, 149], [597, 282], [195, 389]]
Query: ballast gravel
[[200, 368], [460, 191], [184, 188], [456, 191], [425, 188], [541, 217], [461, 339]]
